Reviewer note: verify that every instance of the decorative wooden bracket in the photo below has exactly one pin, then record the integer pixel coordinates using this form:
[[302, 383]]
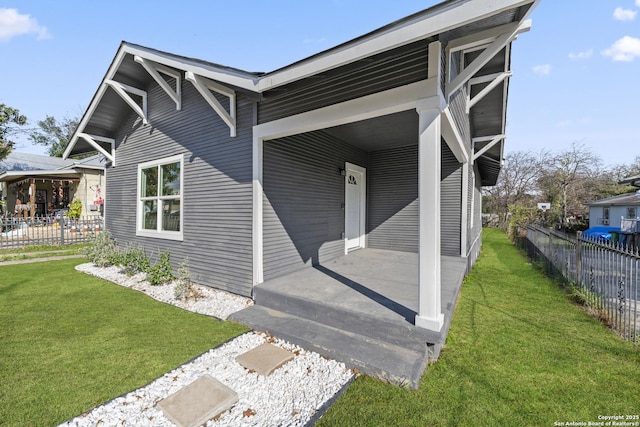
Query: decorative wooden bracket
[[490, 42], [205, 86], [124, 90], [93, 140], [153, 68], [493, 79], [493, 140]]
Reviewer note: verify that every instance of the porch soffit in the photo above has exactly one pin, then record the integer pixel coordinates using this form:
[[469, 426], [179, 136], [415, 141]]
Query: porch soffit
[[108, 110]]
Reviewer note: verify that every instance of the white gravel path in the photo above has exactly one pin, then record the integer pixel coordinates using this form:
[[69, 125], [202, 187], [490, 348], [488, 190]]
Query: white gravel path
[[291, 396]]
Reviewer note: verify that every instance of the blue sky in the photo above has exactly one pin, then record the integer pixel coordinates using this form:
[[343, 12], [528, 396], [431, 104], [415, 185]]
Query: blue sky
[[575, 73]]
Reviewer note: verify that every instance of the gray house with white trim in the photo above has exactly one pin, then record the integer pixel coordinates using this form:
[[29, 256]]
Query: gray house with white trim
[[381, 143]]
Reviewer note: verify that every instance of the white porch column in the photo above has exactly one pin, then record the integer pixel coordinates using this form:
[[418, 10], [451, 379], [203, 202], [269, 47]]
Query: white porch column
[[429, 294]]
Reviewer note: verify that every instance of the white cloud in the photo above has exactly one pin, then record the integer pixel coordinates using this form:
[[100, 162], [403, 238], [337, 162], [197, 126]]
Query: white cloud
[[624, 50], [14, 24], [638, 3], [542, 70], [625, 14], [582, 55]]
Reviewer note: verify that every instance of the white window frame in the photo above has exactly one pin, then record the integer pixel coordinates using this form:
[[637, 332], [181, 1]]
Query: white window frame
[[158, 232]]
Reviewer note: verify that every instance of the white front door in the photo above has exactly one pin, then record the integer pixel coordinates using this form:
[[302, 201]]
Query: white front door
[[354, 203]]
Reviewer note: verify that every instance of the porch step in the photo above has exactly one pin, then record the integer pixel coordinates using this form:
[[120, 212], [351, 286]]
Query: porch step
[[395, 330], [393, 363]]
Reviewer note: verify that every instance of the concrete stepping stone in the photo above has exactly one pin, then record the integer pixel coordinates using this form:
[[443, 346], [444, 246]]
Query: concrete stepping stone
[[265, 358], [200, 401]]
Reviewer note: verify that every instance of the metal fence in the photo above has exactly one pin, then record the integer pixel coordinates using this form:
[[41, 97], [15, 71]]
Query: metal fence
[[58, 229], [605, 276]]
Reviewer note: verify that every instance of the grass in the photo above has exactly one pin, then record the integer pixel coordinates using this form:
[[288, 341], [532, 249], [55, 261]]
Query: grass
[[40, 251], [69, 341], [519, 353]]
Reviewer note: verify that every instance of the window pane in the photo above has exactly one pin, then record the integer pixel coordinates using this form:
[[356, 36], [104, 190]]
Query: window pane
[[149, 185], [171, 215], [150, 215], [170, 179]]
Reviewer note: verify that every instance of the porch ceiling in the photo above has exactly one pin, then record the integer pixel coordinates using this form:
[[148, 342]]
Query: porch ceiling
[[394, 130]]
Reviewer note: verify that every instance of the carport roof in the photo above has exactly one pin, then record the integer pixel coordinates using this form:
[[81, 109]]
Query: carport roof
[[449, 20]]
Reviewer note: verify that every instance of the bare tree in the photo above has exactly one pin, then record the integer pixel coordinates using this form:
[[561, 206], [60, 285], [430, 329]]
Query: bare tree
[[517, 183], [570, 178]]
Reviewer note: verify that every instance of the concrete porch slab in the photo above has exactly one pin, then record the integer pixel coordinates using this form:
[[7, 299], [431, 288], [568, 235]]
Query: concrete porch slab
[[265, 358], [200, 401], [359, 309]]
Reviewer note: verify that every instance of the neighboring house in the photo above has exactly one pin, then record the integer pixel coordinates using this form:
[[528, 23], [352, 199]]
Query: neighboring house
[[381, 142], [42, 185], [611, 211]]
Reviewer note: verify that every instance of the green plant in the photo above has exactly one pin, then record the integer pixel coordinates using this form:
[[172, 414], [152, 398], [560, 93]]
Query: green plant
[[161, 272], [75, 209], [185, 289], [102, 251], [134, 260]]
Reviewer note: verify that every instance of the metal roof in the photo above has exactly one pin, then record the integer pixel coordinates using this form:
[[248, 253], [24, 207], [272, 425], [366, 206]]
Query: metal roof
[[17, 166], [629, 199]]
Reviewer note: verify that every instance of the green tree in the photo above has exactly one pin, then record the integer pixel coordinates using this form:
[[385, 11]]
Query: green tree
[[10, 122], [54, 134]]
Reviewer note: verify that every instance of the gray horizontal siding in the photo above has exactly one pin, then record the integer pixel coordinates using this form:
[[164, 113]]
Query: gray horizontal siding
[[217, 186], [402, 66], [393, 199], [303, 218], [450, 203], [393, 221], [475, 213]]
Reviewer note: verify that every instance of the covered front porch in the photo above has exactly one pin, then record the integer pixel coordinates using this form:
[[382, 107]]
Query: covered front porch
[[358, 309]]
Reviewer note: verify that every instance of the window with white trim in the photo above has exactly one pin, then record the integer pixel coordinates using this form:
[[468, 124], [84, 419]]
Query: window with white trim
[[159, 210]]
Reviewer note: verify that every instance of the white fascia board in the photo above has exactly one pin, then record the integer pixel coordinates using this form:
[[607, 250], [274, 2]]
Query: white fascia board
[[428, 26], [61, 172], [153, 69], [379, 104], [210, 72], [95, 101], [482, 38]]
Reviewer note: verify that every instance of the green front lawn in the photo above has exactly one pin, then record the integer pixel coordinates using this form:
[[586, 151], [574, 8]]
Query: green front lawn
[[69, 341], [518, 354]]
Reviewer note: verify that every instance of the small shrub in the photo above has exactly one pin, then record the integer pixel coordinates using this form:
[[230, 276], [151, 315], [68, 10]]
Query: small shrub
[[102, 251], [75, 209], [185, 289], [133, 260], [161, 272]]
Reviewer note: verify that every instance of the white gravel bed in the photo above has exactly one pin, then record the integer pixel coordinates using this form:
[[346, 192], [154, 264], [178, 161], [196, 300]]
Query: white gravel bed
[[290, 396], [214, 302]]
